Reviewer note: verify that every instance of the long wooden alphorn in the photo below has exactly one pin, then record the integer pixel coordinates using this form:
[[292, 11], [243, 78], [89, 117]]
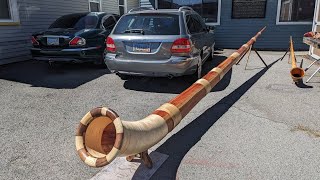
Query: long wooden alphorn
[[102, 136], [297, 73]]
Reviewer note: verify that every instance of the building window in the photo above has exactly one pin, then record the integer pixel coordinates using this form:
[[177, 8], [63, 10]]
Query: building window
[[8, 12], [122, 7], [94, 5], [209, 10], [295, 12]]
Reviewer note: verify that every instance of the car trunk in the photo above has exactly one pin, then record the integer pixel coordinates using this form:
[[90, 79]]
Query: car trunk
[[141, 47], [56, 38], [146, 36]]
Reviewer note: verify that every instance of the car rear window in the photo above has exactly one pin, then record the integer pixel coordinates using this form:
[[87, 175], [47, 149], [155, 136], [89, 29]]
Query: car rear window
[[76, 21], [149, 24]]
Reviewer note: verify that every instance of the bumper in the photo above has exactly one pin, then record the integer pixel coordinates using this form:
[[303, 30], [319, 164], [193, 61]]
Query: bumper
[[175, 66], [68, 55]]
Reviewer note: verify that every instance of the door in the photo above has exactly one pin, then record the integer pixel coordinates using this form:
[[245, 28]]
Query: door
[[314, 52], [197, 34]]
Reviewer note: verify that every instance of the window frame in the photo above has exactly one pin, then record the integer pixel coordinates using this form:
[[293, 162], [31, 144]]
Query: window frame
[[124, 5], [278, 22], [95, 1], [14, 14], [218, 16], [209, 23]]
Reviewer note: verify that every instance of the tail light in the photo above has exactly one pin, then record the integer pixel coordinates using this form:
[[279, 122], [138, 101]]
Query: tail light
[[110, 46], [34, 41], [181, 45], [77, 41]]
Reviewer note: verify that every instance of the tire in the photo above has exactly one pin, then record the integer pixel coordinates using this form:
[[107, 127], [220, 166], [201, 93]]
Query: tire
[[198, 74], [100, 63], [52, 64], [199, 70], [212, 52]]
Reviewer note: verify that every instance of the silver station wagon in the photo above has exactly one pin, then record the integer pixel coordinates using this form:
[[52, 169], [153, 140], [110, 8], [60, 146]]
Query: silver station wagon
[[166, 42]]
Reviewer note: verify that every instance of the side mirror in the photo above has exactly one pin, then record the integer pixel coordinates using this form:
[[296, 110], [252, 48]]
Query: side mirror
[[210, 29]]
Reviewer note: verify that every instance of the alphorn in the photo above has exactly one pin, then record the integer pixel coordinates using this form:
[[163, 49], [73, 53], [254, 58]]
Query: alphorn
[[101, 135], [296, 73]]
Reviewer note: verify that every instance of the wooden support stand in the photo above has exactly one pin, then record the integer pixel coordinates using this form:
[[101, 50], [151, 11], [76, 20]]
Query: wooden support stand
[[144, 156], [255, 50]]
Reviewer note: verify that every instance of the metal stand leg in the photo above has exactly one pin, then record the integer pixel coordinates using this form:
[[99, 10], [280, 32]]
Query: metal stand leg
[[285, 54], [318, 70], [301, 64], [261, 58], [241, 58], [255, 50], [311, 65]]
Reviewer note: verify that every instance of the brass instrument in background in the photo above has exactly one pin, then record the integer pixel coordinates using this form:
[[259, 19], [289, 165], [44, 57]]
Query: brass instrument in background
[[297, 73]]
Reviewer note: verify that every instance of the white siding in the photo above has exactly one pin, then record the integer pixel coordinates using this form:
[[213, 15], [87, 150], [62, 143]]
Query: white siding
[[35, 16], [110, 6], [132, 4], [147, 3]]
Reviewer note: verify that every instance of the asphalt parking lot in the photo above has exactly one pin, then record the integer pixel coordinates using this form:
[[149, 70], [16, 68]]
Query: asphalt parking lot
[[256, 124]]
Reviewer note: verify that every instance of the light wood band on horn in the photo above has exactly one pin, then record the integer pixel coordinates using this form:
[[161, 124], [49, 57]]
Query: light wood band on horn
[[235, 55], [205, 83], [173, 111], [219, 71], [246, 46], [86, 119], [143, 134]]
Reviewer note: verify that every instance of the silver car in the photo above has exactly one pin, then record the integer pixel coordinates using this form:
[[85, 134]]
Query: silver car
[[166, 42]]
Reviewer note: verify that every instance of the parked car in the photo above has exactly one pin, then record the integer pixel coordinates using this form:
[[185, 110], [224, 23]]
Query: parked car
[[76, 37], [166, 42]]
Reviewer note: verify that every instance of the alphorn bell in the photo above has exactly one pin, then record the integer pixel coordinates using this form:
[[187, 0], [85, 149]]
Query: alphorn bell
[[102, 136], [297, 73]]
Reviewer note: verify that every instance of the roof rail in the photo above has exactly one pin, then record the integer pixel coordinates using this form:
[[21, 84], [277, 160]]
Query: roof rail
[[185, 8], [140, 9]]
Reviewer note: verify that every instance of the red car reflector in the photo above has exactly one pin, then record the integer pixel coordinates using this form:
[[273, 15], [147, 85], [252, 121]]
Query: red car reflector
[[181, 45], [77, 41], [110, 46]]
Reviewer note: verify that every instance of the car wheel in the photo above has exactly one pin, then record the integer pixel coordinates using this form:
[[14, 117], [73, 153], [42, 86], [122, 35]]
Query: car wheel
[[52, 64], [100, 63], [212, 52], [199, 70], [198, 74]]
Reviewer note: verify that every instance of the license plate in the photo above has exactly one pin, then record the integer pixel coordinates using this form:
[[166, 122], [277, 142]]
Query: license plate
[[139, 47], [52, 41]]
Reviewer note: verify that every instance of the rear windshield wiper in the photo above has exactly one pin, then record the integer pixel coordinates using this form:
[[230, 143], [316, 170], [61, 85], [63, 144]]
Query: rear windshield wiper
[[141, 31]]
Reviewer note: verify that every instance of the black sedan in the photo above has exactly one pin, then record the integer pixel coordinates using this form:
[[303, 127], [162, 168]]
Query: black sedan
[[74, 38]]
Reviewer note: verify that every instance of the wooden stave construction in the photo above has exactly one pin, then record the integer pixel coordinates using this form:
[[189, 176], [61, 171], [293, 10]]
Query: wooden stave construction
[[99, 143], [296, 73]]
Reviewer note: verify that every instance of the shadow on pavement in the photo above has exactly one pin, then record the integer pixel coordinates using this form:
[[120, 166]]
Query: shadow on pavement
[[177, 84], [178, 145], [63, 76]]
